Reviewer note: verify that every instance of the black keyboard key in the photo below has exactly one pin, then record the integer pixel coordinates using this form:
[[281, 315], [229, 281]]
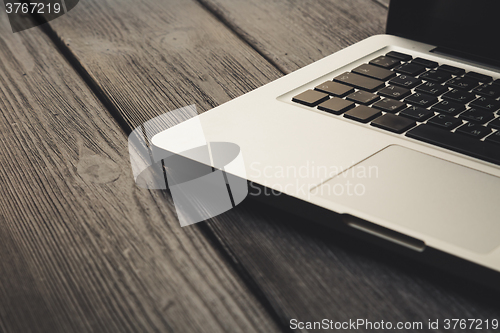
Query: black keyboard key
[[426, 63], [486, 103], [478, 76], [456, 142], [435, 76], [374, 72], [459, 96], [363, 114], [474, 130], [389, 105], [416, 113], [362, 97], [494, 138], [495, 124], [393, 123], [451, 69], [431, 88], [310, 98], [422, 100], [477, 116], [405, 81], [462, 83], [336, 105], [334, 88], [399, 56], [359, 81], [394, 92], [488, 90], [449, 108], [385, 62], [410, 69], [496, 82], [444, 121]]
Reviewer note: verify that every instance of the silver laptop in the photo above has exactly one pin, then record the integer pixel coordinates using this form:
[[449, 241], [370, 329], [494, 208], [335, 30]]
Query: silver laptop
[[395, 139]]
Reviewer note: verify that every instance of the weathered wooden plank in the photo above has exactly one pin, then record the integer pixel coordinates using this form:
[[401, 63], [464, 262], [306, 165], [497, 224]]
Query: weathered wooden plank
[[303, 272], [292, 34], [81, 247], [150, 57]]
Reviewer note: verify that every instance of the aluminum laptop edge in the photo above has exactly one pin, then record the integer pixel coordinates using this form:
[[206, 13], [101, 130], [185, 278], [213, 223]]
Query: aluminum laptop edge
[[430, 203]]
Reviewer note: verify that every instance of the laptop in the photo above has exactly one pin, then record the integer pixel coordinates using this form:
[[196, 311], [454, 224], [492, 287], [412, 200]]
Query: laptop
[[395, 139]]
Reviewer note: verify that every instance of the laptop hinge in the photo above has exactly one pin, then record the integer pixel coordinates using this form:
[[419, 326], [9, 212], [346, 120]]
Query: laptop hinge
[[467, 57]]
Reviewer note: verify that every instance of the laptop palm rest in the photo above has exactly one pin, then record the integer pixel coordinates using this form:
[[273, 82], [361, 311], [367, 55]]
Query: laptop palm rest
[[431, 196]]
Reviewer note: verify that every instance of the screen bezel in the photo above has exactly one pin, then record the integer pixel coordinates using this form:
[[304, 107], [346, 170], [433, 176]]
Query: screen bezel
[[459, 26]]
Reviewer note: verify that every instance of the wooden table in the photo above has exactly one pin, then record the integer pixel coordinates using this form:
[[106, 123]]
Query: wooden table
[[82, 248]]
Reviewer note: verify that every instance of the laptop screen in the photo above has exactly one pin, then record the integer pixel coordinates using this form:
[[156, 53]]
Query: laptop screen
[[469, 27]]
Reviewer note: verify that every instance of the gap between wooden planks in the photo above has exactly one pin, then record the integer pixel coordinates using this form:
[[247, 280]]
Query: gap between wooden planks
[[81, 247]]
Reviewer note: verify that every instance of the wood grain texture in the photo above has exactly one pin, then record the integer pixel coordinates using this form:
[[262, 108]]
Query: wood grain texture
[[82, 248], [151, 56], [293, 34], [302, 271]]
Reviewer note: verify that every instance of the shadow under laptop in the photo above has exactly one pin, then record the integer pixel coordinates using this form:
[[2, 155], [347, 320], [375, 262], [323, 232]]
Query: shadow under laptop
[[316, 247], [445, 280]]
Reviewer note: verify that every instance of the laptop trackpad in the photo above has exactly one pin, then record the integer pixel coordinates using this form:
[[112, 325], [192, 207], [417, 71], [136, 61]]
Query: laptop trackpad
[[444, 200]]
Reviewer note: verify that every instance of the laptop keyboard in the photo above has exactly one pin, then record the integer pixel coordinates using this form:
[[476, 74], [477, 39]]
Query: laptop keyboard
[[435, 103]]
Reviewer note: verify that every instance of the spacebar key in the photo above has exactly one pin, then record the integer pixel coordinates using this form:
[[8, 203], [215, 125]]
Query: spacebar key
[[456, 142]]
